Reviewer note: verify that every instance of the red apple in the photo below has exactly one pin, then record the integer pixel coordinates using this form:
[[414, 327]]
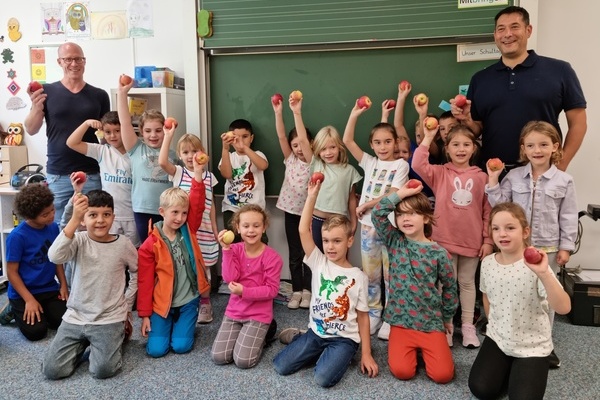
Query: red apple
[[460, 100], [80, 177], [34, 86], [276, 98], [364, 102], [170, 122], [317, 177], [296, 95], [430, 123], [391, 104], [201, 158], [125, 79], [228, 237], [532, 255], [495, 164], [404, 85], [413, 184], [422, 99]]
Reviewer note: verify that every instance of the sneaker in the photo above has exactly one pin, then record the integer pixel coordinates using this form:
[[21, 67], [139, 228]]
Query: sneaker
[[294, 302], [305, 302], [469, 334], [205, 315], [384, 331], [449, 339], [6, 314], [553, 360], [288, 334], [374, 324]]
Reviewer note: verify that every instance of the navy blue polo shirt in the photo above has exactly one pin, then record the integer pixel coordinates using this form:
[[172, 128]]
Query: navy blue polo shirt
[[505, 99]]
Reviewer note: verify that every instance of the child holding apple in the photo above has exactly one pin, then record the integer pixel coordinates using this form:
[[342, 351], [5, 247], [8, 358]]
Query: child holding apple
[[189, 147], [243, 170], [149, 179], [293, 195], [382, 173]]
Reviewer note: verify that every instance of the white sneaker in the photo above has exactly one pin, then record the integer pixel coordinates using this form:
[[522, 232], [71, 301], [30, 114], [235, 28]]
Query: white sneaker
[[305, 302], [469, 334], [384, 331], [374, 323], [294, 302]]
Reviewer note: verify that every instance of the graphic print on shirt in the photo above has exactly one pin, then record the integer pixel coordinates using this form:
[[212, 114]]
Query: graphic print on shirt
[[332, 315], [158, 175], [330, 286], [242, 184], [341, 312], [41, 256], [378, 183], [462, 197]]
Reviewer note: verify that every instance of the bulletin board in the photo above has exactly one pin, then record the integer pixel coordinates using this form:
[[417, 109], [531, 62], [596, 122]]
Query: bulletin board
[[43, 66]]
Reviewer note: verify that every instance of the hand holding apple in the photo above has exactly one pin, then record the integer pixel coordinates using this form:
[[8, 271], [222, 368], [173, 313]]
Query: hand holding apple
[[404, 85], [460, 100], [364, 102], [413, 183], [170, 123], [316, 177], [34, 86], [125, 80], [276, 99], [391, 104], [228, 237], [532, 255], [410, 188], [431, 123], [79, 177], [495, 164], [296, 95], [201, 158]]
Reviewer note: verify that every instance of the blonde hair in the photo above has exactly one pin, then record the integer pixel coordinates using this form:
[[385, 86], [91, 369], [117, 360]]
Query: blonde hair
[[468, 133], [336, 221], [151, 115], [420, 204], [235, 220], [326, 134], [174, 197], [193, 140], [545, 129], [516, 211]]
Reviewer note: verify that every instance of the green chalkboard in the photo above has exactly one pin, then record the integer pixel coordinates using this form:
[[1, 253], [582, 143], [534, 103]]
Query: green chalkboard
[[241, 86], [241, 23]]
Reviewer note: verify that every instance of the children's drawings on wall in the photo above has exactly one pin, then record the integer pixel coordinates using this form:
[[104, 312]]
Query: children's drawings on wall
[[44, 64], [109, 25], [52, 22], [139, 18], [77, 20]]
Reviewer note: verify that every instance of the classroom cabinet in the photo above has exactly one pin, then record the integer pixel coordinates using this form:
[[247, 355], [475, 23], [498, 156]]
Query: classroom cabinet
[[11, 159], [7, 222]]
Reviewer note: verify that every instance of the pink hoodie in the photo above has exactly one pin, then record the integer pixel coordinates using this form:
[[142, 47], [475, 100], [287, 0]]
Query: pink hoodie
[[462, 210]]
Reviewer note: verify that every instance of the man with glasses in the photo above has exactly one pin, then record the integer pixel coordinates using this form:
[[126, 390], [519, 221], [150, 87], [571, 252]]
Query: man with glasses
[[65, 105]]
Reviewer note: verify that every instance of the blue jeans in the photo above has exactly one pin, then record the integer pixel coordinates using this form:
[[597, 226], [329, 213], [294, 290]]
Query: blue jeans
[[61, 186], [332, 356], [174, 332]]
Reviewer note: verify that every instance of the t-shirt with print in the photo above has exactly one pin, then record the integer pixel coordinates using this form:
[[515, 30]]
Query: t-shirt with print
[[380, 177], [518, 319], [294, 188], [337, 293], [246, 185]]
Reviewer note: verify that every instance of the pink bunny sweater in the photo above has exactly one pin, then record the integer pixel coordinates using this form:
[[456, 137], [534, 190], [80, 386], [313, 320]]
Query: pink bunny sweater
[[461, 206]]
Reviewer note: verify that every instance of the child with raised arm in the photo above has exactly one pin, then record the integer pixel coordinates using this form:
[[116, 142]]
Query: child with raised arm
[[517, 297], [99, 308], [244, 171], [461, 211], [115, 169], [188, 146], [382, 173], [547, 193], [339, 312], [293, 196], [422, 292], [171, 274], [149, 179], [252, 270], [36, 300]]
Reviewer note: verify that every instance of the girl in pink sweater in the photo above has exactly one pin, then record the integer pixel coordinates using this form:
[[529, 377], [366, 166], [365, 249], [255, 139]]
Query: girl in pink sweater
[[253, 270], [461, 211]]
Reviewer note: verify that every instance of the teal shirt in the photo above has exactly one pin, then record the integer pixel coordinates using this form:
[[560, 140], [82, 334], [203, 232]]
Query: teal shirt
[[416, 271]]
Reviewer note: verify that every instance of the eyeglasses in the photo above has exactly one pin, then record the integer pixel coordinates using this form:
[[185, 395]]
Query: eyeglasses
[[69, 60]]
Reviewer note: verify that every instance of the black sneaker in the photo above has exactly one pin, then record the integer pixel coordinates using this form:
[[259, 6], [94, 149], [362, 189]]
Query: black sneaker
[[553, 360], [6, 314], [271, 333]]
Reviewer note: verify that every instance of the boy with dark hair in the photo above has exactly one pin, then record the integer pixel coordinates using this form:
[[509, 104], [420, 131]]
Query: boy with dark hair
[[99, 309], [36, 299]]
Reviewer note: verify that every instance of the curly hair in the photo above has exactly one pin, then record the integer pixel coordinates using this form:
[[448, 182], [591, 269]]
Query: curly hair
[[32, 199]]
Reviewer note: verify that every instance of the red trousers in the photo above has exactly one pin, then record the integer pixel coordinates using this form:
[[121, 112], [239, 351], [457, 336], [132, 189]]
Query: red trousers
[[402, 354]]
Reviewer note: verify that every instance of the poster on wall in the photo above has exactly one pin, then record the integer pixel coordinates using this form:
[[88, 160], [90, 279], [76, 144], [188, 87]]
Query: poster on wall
[[77, 21], [51, 23], [139, 18], [43, 63], [109, 25]]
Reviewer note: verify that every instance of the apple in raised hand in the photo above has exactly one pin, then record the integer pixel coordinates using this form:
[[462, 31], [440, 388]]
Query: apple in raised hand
[[34, 86], [422, 99], [229, 135], [296, 95], [364, 102], [201, 158], [532, 255], [170, 122], [80, 177], [495, 164], [391, 104], [460, 100], [228, 237], [404, 85], [430, 123], [125, 79], [276, 98], [318, 176], [413, 184]]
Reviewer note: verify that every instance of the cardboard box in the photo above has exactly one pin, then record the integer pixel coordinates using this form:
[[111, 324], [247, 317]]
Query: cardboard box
[[163, 78], [584, 290]]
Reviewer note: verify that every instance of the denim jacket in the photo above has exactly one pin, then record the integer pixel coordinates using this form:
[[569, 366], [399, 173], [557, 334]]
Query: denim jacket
[[550, 204]]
